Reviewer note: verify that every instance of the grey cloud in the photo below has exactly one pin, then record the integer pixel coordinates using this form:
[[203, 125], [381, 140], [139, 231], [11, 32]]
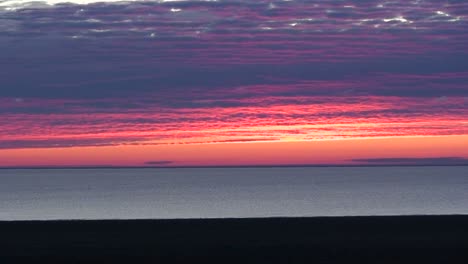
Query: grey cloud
[[66, 81], [158, 162], [415, 161], [68, 142]]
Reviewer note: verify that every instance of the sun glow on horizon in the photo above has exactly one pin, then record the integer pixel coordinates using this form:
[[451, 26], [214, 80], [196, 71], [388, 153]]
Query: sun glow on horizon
[[251, 153]]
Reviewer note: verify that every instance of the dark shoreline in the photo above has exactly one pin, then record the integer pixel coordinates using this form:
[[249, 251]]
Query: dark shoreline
[[376, 239]]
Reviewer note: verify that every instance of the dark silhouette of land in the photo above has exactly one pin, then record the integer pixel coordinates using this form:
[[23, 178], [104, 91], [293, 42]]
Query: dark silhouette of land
[[379, 239]]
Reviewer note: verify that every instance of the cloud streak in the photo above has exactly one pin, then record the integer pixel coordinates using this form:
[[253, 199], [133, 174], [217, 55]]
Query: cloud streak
[[158, 162], [415, 161]]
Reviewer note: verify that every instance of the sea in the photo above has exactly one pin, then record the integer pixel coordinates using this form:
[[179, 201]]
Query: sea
[[168, 193]]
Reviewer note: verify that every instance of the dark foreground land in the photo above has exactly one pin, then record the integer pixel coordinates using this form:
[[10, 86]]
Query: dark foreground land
[[392, 239]]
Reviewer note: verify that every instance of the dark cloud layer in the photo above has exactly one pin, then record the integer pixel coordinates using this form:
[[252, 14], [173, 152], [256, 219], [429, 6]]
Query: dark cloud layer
[[415, 161], [158, 162]]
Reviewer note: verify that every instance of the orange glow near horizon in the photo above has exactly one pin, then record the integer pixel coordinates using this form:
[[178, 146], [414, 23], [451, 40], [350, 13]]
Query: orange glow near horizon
[[254, 153], [265, 131]]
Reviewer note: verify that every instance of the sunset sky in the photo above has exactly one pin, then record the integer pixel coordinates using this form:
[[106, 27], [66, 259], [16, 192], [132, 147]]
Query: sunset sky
[[233, 82]]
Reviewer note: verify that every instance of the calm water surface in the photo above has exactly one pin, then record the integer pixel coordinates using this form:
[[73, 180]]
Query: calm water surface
[[231, 192]]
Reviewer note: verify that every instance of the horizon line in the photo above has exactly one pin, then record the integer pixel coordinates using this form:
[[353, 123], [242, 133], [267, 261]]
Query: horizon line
[[236, 166]]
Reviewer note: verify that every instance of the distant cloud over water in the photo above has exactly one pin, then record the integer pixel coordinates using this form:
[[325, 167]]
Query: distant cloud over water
[[158, 162], [415, 161]]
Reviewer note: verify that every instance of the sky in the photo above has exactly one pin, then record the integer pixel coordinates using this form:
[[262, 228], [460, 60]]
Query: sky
[[233, 82]]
